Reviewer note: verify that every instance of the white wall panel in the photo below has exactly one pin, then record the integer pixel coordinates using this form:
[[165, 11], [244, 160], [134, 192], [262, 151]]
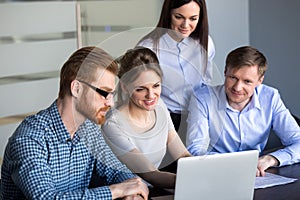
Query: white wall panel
[[34, 57], [23, 18], [103, 19], [117, 43], [20, 98], [136, 13]]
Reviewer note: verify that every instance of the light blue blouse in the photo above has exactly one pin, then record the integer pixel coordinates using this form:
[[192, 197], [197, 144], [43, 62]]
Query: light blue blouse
[[214, 125], [182, 66]]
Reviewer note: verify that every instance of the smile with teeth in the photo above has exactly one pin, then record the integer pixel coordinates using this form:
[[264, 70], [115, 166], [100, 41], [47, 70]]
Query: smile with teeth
[[150, 102]]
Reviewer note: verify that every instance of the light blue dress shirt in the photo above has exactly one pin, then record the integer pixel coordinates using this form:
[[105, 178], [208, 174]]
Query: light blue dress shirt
[[216, 127], [182, 66]]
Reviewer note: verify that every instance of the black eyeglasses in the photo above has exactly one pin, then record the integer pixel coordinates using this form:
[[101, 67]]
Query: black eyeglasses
[[103, 93]]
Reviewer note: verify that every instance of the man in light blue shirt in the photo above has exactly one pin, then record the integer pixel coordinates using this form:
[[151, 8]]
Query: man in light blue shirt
[[239, 114]]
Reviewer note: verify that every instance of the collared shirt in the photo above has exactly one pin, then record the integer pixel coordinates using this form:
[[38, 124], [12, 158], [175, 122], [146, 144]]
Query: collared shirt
[[216, 127], [42, 161], [182, 64]]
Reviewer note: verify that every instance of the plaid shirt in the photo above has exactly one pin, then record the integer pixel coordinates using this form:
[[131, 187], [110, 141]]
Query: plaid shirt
[[41, 160]]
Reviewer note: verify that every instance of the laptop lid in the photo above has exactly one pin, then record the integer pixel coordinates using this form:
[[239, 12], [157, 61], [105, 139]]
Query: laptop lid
[[226, 176]]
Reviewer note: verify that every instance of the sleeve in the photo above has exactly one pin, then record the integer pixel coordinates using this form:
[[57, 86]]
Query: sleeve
[[107, 164], [211, 49], [116, 136], [197, 125], [287, 129], [210, 75], [137, 162]]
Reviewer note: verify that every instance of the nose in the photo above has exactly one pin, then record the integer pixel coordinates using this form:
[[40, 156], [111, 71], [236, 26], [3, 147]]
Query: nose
[[237, 86], [150, 94], [185, 23], [109, 101]]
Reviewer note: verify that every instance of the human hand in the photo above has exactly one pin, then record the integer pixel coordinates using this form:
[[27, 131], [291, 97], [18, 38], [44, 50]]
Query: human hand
[[264, 162], [133, 189], [134, 197]]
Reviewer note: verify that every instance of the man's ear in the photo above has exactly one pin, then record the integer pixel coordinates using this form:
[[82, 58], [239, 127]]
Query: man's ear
[[75, 88], [261, 79]]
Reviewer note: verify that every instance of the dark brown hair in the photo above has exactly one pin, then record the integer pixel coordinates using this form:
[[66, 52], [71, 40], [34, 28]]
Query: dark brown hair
[[200, 33]]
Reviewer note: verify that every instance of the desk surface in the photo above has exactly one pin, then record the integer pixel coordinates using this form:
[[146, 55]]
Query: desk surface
[[289, 191]]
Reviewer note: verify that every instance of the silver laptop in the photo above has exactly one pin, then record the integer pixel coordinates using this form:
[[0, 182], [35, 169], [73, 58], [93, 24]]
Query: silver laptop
[[226, 176]]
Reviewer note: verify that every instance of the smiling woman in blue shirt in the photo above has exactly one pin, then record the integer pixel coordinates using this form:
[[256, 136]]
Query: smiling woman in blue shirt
[[185, 51]]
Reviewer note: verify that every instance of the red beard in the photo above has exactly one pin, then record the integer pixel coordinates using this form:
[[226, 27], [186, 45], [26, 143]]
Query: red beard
[[100, 118]]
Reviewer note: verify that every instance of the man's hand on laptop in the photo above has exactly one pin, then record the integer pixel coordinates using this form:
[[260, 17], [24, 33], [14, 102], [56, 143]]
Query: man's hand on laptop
[[264, 162], [133, 189], [133, 197]]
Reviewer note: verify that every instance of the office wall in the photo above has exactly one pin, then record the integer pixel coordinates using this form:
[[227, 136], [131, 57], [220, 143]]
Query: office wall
[[35, 40], [229, 28], [275, 30], [116, 26]]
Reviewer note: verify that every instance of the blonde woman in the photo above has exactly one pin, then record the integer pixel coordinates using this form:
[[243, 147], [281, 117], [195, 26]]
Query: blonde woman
[[140, 130]]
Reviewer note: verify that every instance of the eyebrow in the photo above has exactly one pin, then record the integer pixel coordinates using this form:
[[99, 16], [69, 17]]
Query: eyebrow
[[141, 86], [184, 16]]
